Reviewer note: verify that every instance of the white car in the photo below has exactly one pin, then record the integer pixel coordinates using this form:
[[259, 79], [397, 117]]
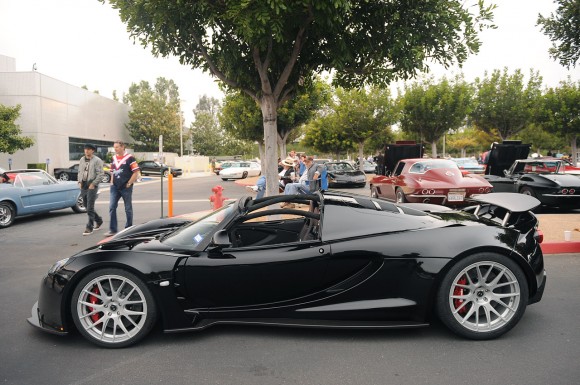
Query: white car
[[241, 170]]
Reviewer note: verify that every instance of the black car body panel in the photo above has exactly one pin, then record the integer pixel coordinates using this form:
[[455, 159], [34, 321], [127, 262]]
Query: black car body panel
[[343, 174], [503, 155], [381, 268], [398, 151], [148, 167], [550, 186]]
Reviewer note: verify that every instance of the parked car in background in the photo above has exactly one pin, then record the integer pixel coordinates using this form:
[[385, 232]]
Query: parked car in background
[[470, 165], [149, 167], [72, 173], [343, 174], [369, 167], [252, 262], [220, 166], [438, 181], [35, 192], [241, 170], [542, 179]]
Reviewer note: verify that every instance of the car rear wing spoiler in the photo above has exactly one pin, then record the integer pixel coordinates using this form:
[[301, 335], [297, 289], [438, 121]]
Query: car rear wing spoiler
[[512, 203]]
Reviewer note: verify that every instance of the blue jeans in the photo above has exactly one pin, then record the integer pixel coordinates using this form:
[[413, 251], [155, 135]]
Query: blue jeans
[[115, 195], [296, 188]]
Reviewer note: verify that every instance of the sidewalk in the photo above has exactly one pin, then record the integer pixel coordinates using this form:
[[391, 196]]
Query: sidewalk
[[552, 225]]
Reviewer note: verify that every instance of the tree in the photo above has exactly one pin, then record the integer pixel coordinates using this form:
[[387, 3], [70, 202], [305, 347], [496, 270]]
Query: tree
[[563, 29], [433, 109], [269, 49], [10, 138], [503, 102], [205, 133], [323, 134], [561, 112], [154, 112]]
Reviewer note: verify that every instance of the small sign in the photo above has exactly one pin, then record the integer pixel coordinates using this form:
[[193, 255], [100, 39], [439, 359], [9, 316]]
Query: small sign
[[10, 161], [47, 160]]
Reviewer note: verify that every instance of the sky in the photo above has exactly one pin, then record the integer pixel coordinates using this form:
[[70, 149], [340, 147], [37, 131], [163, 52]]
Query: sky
[[84, 42]]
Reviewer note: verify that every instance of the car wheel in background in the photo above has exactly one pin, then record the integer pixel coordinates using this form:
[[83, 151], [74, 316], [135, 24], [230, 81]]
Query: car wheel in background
[[63, 176], [113, 308], [224, 179], [7, 214], [245, 175], [165, 173], [482, 296], [106, 178], [527, 191], [400, 195], [79, 207]]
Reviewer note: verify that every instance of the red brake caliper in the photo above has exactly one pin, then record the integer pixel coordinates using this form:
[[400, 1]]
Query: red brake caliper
[[459, 291], [92, 299]]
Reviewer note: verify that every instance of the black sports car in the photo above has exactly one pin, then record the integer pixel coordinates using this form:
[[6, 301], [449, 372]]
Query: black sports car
[[72, 173], [343, 174], [342, 261], [149, 167], [542, 179]]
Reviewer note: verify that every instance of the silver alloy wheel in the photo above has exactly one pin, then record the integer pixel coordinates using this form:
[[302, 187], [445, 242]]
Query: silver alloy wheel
[[484, 296], [112, 309], [400, 196], [374, 193], [63, 176], [6, 214]]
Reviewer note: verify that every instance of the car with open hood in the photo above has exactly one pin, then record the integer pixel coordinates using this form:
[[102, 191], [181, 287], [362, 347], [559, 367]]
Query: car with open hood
[[337, 261], [343, 174]]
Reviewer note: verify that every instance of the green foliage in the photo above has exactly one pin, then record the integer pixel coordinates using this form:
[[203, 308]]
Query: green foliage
[[505, 103], [10, 138], [323, 135], [541, 140], [431, 109], [154, 112], [563, 29]]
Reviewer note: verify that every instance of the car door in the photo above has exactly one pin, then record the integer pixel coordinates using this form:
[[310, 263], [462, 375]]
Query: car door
[[39, 192], [148, 167], [393, 181]]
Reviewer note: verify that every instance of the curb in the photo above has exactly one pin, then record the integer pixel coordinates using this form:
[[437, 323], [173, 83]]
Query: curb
[[560, 247]]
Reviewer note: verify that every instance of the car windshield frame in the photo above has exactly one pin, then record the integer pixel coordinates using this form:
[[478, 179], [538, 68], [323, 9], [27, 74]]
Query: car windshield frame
[[424, 166]]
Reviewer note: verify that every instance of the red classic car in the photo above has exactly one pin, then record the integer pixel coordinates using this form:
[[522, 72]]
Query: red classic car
[[436, 181]]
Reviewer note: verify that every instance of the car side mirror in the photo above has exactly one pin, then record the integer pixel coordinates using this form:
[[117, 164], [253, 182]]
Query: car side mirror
[[221, 239]]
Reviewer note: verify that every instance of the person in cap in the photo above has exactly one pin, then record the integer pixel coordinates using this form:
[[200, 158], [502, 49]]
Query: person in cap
[[90, 175], [285, 175]]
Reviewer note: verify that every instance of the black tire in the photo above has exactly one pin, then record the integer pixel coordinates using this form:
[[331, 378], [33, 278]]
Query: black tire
[[100, 324], [486, 307], [63, 176], [244, 175], [106, 178], [224, 179], [400, 196], [528, 191], [79, 207], [7, 214]]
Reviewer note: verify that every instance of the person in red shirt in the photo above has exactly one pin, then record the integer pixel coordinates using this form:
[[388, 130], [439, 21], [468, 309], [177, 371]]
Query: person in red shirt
[[124, 173]]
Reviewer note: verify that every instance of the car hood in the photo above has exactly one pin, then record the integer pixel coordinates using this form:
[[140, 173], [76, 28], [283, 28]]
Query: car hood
[[503, 155], [140, 244]]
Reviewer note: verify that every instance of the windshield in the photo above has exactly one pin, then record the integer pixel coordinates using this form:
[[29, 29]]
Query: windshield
[[339, 167], [193, 234], [466, 162]]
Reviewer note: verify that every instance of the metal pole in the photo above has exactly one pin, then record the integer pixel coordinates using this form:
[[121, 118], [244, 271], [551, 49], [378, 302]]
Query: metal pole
[[181, 133]]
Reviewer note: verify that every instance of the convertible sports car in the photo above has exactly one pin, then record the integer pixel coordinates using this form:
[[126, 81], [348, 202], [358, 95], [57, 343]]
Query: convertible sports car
[[34, 192], [436, 181], [542, 179], [343, 174], [254, 263]]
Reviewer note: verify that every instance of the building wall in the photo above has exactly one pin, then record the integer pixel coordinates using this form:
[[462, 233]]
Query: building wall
[[52, 111]]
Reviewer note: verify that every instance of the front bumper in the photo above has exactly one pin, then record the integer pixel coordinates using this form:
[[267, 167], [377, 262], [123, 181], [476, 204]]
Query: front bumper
[[35, 321]]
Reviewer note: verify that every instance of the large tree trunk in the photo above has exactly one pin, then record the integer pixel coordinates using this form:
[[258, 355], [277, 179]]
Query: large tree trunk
[[434, 149], [261, 153], [270, 162]]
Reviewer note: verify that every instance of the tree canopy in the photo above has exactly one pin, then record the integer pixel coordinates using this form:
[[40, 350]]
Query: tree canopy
[[563, 29], [268, 49], [10, 133], [154, 112]]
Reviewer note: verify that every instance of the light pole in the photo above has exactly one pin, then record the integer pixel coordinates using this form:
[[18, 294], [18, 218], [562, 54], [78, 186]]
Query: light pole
[[181, 132]]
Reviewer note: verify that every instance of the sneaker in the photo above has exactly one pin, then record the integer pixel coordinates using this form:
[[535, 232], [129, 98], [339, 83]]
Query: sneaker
[[110, 233], [88, 231], [97, 226]]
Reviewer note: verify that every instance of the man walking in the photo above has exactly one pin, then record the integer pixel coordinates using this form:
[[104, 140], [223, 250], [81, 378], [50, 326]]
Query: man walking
[[90, 175], [124, 172]]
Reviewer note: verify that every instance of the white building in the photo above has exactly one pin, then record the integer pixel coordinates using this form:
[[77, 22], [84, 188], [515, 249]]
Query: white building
[[60, 117]]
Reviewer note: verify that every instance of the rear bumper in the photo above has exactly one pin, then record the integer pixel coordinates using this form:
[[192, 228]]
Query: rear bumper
[[540, 292]]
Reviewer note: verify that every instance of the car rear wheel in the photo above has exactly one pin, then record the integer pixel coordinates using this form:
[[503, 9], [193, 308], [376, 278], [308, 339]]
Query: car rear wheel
[[63, 176], [528, 191], [79, 207], [482, 296], [7, 214], [374, 192], [245, 175], [106, 178], [400, 195], [113, 308], [165, 173]]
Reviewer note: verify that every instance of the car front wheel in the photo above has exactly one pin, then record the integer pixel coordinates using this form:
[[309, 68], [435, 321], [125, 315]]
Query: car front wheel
[[528, 191], [113, 308], [482, 296], [245, 175], [7, 214], [106, 178], [166, 173], [63, 176]]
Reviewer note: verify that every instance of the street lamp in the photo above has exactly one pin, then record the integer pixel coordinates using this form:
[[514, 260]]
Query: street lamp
[[181, 132]]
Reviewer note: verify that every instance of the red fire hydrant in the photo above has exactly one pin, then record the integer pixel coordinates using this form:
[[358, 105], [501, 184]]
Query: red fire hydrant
[[217, 200]]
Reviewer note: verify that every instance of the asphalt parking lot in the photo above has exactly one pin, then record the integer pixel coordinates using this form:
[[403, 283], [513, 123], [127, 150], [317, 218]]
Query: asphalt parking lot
[[542, 349]]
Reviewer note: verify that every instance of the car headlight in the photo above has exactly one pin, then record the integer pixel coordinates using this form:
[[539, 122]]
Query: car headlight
[[58, 265]]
